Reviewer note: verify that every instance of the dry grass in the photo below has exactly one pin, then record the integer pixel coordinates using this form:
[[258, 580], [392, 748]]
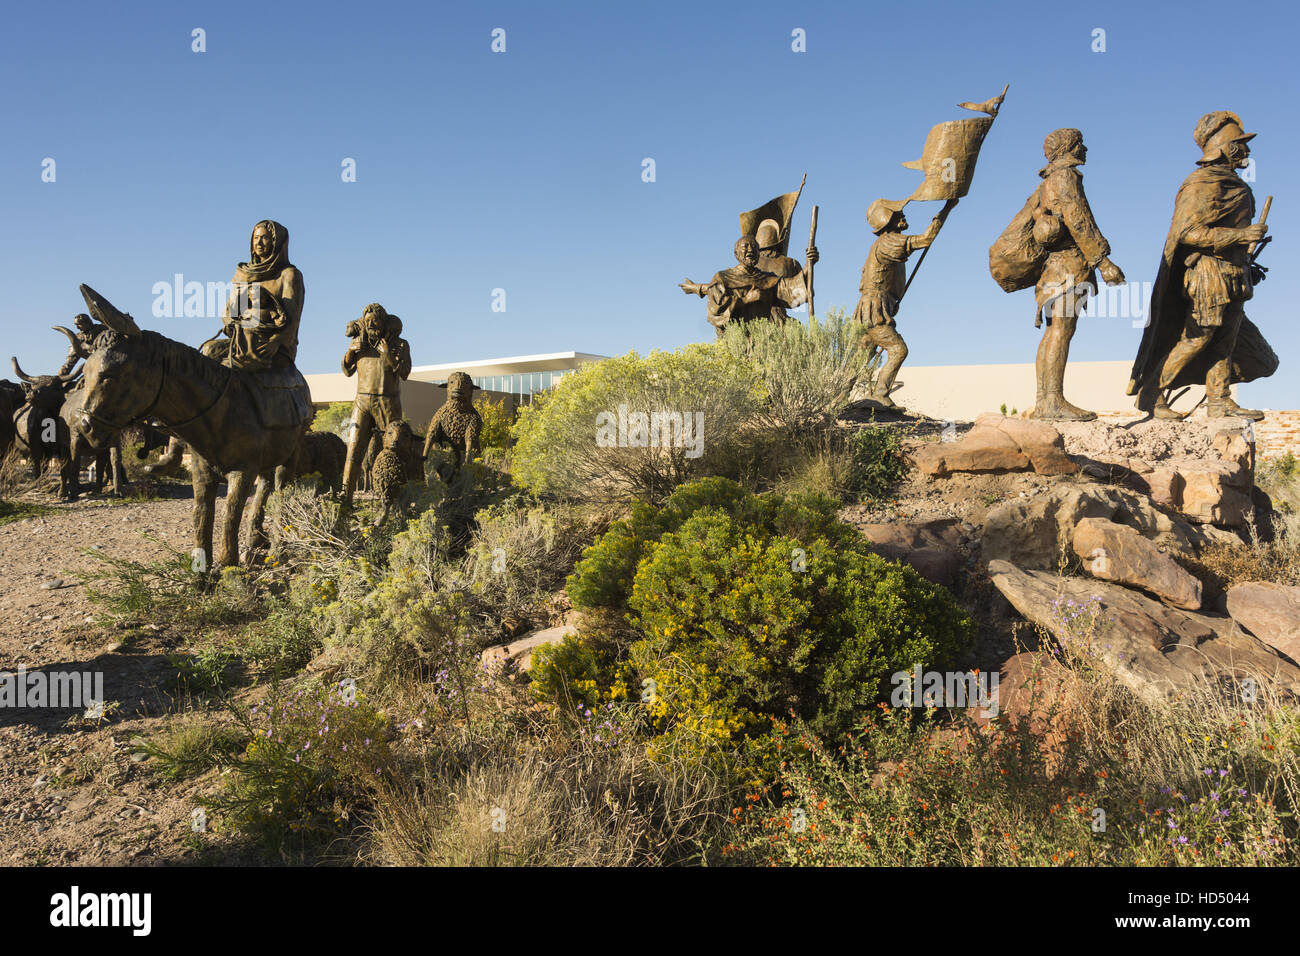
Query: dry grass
[[1219, 567], [525, 805]]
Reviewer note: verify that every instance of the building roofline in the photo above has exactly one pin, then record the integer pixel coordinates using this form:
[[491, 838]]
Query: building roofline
[[547, 361]]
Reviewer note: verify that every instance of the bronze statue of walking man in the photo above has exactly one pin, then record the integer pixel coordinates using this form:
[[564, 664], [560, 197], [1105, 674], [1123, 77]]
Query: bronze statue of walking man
[[1197, 330], [1062, 246]]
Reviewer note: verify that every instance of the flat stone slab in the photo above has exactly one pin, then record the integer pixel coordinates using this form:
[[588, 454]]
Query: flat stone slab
[[997, 443], [519, 652], [1271, 612], [1155, 650]]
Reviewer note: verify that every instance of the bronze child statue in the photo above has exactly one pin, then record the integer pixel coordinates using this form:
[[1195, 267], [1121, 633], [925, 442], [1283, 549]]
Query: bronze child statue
[[1197, 331], [81, 342], [884, 278], [380, 358]]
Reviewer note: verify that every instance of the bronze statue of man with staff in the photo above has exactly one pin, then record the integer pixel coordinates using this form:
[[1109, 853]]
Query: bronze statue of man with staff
[[766, 281]]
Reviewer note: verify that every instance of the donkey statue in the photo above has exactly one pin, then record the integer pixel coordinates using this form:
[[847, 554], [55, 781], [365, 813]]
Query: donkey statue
[[241, 424]]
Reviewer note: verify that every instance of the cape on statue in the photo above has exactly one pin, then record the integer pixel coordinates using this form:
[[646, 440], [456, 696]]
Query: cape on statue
[[243, 425]]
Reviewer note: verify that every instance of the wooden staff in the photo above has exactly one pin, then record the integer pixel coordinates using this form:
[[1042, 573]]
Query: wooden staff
[[808, 269]]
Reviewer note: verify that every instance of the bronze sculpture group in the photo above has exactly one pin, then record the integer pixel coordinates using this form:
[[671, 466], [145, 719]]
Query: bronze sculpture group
[[1197, 331], [242, 407], [238, 403]]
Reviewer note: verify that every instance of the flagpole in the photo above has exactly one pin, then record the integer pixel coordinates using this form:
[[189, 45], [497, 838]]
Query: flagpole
[[947, 208]]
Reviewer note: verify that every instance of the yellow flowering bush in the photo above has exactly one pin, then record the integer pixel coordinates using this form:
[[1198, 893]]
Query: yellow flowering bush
[[753, 608]]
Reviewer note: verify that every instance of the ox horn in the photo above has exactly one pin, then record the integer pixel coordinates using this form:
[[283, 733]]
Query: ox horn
[[77, 347], [72, 376], [104, 311], [20, 373]]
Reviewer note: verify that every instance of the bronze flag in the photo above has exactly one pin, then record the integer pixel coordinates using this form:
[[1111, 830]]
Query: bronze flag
[[780, 210], [951, 149]]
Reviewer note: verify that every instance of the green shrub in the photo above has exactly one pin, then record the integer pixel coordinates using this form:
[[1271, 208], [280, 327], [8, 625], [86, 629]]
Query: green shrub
[[496, 422], [808, 371], [285, 640], [191, 745], [603, 578], [519, 556], [747, 608], [876, 462], [332, 418], [568, 443], [207, 672]]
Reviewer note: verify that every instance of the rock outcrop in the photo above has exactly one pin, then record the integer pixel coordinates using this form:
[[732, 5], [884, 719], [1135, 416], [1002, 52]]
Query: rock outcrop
[[519, 653], [997, 443], [1034, 532], [931, 547], [1155, 650]]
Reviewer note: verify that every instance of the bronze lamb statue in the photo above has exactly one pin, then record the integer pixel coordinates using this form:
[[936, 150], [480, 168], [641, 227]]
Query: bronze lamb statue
[[395, 465], [457, 424]]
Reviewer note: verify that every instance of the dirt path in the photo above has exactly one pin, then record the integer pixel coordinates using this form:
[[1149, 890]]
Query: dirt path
[[70, 792]]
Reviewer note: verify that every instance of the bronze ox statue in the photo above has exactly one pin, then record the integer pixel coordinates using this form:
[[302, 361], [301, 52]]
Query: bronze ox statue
[[41, 433], [47, 428], [12, 398], [243, 424]]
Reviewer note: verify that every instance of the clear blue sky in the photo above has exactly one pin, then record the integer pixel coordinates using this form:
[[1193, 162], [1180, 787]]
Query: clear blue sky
[[522, 170]]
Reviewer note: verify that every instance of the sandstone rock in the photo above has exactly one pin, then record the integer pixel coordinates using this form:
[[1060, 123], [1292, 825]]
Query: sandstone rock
[[1030, 688], [1211, 490], [996, 443], [1204, 491], [1231, 445], [1033, 695], [519, 653], [907, 536], [1115, 467], [1269, 611], [980, 449], [1155, 650], [1033, 532], [928, 546], [1041, 443], [1119, 553]]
